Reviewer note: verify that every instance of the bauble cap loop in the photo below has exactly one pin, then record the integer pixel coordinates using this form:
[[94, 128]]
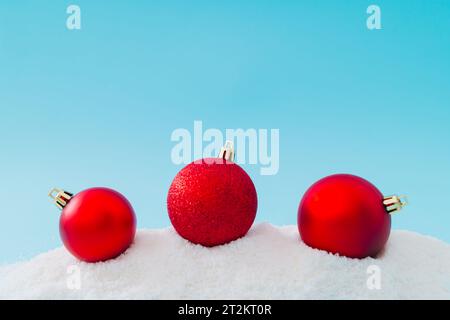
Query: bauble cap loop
[[227, 151], [395, 203], [60, 197]]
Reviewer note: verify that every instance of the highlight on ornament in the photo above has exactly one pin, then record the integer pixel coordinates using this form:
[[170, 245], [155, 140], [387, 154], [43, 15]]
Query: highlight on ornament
[[347, 215], [96, 224], [212, 201]]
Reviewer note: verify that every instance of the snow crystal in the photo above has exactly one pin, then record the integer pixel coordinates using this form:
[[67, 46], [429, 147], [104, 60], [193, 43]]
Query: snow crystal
[[269, 263]]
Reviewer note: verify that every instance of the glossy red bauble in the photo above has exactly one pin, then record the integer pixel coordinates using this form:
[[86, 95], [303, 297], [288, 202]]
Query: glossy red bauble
[[344, 214], [212, 202], [97, 224]]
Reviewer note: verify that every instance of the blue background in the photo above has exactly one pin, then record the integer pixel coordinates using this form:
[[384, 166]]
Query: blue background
[[96, 107]]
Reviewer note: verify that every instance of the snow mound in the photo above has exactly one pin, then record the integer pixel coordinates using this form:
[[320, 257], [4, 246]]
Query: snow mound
[[269, 263]]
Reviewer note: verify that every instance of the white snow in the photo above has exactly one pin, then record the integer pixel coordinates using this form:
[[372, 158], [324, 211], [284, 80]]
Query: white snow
[[269, 263]]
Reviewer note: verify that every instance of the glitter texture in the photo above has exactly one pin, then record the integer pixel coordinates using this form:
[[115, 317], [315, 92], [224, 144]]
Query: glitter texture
[[212, 202]]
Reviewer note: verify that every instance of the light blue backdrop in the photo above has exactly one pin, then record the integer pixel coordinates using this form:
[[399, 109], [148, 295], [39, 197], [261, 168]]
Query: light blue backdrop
[[96, 107]]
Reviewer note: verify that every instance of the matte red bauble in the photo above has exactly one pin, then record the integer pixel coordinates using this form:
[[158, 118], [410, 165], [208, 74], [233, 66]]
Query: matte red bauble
[[347, 215], [96, 224], [212, 201]]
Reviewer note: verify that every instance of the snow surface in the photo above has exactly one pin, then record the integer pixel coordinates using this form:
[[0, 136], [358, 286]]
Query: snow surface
[[269, 263]]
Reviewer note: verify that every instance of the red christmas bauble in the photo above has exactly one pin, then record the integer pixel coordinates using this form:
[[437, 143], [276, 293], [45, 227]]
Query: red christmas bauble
[[96, 224], [212, 202], [345, 214]]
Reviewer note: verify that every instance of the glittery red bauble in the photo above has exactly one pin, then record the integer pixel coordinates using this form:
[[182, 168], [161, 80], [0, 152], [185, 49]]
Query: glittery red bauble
[[344, 214], [97, 224], [212, 202]]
